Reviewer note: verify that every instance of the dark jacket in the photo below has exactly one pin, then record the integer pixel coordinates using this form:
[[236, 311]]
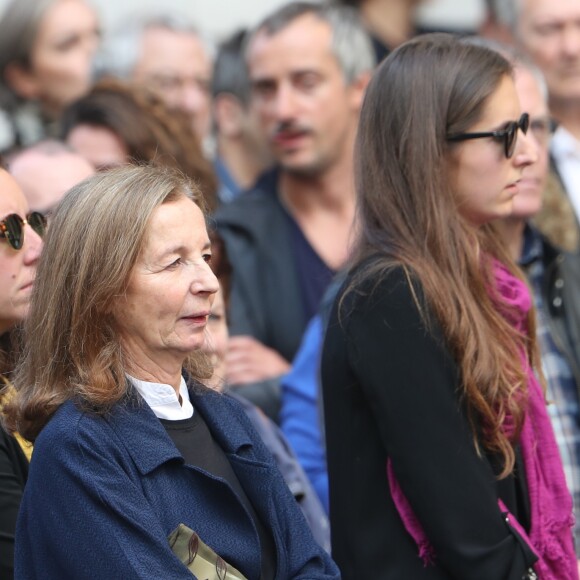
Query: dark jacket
[[13, 474], [265, 297], [291, 470], [390, 391], [105, 492], [561, 294]]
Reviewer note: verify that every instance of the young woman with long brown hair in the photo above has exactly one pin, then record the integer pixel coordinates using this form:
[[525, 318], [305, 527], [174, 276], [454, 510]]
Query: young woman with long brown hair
[[442, 462]]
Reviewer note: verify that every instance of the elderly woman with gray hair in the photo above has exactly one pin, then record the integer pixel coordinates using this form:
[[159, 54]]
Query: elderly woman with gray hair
[[136, 464], [46, 56]]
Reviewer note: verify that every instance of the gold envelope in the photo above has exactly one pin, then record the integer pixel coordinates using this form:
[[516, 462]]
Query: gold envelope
[[199, 558]]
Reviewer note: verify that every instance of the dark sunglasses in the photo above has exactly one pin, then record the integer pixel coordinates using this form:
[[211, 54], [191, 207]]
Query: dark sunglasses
[[12, 227], [508, 135]]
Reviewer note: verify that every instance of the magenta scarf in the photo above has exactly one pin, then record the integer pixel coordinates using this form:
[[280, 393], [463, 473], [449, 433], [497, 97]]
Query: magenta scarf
[[551, 519]]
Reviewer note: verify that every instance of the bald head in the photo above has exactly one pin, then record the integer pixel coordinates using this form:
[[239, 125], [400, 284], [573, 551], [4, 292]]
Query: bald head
[[45, 174]]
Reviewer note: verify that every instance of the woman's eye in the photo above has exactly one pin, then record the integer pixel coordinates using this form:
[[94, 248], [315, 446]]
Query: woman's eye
[[174, 264], [207, 258]]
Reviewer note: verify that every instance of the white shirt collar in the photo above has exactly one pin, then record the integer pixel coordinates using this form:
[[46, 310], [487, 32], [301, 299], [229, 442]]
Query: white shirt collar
[[566, 154], [564, 144], [163, 399]]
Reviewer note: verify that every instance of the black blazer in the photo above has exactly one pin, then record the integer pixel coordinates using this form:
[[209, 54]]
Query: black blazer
[[265, 299], [13, 474], [390, 390]]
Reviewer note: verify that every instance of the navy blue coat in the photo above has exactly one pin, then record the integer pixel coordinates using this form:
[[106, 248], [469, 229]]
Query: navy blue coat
[[104, 493]]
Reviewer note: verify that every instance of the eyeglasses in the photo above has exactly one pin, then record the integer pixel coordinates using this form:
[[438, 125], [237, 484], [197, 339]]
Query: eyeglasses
[[12, 227], [508, 135]]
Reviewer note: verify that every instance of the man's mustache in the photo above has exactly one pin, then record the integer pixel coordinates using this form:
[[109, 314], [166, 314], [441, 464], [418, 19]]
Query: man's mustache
[[285, 127]]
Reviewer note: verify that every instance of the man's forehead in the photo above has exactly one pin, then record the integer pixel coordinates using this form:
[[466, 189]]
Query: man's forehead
[[303, 42], [530, 92], [549, 9], [159, 43], [305, 30]]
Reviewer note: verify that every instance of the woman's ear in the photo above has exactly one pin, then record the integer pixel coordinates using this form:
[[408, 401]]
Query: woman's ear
[[21, 80], [358, 88]]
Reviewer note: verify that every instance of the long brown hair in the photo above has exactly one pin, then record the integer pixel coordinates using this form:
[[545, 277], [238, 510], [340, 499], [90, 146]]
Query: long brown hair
[[71, 347], [408, 216], [151, 132]]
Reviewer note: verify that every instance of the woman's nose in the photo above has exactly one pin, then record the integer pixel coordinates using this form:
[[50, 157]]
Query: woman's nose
[[32, 245], [527, 150], [205, 281]]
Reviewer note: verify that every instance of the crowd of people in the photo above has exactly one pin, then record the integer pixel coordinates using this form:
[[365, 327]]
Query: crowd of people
[[305, 304]]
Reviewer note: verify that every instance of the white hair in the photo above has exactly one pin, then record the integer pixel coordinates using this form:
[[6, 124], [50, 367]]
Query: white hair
[[121, 50]]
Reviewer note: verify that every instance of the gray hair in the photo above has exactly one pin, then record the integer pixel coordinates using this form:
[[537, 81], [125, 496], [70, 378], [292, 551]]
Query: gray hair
[[351, 44], [506, 12], [19, 25], [121, 51]]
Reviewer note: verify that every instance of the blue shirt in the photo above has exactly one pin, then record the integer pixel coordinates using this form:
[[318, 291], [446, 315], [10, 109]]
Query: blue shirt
[[228, 189], [300, 414]]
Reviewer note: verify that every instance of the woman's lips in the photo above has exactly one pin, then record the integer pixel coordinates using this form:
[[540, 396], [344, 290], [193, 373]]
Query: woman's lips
[[198, 318], [27, 286], [513, 187]]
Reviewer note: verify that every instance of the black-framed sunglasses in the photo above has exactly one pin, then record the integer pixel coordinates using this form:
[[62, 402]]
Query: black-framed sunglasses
[[12, 227], [508, 136]]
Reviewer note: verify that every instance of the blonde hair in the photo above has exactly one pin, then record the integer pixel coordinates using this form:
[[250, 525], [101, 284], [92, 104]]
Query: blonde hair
[[72, 350], [557, 220]]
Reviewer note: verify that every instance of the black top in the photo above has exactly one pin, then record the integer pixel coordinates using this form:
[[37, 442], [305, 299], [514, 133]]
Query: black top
[[513, 489], [265, 298], [391, 390], [13, 475], [195, 442], [314, 275]]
